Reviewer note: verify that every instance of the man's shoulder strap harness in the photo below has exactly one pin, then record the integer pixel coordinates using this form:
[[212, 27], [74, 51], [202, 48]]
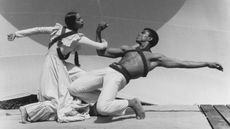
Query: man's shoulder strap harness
[[140, 52], [144, 60]]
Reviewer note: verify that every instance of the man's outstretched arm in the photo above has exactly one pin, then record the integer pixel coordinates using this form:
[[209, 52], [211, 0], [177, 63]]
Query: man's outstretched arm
[[175, 63]]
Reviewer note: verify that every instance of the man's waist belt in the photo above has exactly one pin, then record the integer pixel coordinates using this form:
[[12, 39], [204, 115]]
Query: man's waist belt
[[118, 67]]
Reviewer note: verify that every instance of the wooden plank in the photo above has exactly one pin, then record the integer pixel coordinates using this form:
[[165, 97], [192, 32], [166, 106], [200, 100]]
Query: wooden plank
[[215, 119], [228, 106], [224, 111]]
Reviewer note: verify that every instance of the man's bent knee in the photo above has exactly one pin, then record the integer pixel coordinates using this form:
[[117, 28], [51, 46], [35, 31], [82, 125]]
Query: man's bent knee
[[103, 109]]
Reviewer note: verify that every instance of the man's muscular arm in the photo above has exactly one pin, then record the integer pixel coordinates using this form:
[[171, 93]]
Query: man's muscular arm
[[112, 52], [167, 62], [108, 52]]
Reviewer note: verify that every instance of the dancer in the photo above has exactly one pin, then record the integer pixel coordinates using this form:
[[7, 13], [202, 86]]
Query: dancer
[[55, 102], [136, 61]]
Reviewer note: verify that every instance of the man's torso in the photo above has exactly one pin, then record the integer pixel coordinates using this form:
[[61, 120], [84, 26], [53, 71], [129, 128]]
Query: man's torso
[[136, 65]]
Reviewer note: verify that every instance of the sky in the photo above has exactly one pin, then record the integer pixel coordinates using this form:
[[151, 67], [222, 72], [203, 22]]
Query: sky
[[197, 30]]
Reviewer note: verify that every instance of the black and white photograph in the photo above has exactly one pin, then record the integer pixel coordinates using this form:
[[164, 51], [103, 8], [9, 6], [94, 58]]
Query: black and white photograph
[[115, 64]]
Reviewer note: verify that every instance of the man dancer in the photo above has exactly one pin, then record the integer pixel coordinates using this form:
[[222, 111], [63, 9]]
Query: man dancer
[[136, 61]]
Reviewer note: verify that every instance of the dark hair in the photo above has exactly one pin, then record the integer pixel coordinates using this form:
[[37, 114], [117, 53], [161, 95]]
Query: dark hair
[[70, 20], [153, 34]]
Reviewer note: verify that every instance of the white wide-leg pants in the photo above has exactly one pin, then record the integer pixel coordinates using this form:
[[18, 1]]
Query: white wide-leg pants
[[110, 81]]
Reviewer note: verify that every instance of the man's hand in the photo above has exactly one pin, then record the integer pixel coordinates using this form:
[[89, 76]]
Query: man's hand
[[11, 37], [101, 26], [215, 66]]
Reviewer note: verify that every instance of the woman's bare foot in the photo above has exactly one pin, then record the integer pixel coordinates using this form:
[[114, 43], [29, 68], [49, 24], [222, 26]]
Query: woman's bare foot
[[135, 104], [24, 115]]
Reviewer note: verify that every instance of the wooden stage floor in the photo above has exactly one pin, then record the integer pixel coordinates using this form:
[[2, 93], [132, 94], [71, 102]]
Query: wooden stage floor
[[157, 117]]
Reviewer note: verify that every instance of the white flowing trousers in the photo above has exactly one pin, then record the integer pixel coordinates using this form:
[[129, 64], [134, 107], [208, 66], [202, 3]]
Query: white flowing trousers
[[110, 81]]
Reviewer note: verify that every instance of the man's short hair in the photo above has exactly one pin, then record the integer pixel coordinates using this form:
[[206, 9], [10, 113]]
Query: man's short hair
[[153, 34]]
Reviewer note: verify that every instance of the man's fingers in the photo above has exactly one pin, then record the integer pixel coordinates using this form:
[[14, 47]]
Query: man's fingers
[[103, 25], [219, 67], [106, 25]]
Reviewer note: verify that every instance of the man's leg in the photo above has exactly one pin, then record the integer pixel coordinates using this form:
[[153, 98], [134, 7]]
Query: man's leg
[[73, 71], [86, 87], [135, 104], [108, 105]]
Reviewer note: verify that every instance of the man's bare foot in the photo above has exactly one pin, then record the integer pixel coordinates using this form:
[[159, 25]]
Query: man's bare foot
[[135, 104], [24, 115]]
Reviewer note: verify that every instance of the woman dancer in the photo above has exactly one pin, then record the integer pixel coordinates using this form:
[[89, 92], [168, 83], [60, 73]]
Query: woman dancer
[[55, 102]]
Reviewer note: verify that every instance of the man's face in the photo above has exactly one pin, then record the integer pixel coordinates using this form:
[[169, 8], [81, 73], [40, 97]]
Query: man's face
[[79, 21], [143, 36]]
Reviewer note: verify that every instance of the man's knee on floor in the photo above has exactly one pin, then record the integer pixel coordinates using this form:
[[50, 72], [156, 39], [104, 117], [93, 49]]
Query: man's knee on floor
[[103, 108]]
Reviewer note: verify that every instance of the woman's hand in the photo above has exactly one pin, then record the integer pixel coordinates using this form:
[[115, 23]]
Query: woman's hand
[[105, 43], [11, 37]]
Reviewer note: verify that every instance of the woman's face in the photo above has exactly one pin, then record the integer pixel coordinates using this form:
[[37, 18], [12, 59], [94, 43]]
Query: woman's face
[[79, 21]]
